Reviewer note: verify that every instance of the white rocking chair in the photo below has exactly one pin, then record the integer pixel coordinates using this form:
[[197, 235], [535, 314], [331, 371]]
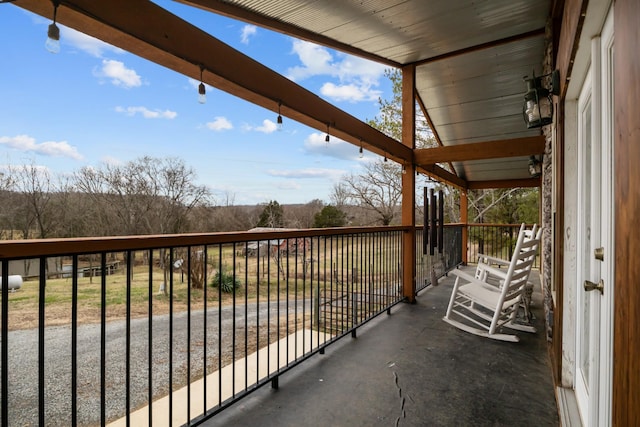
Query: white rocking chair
[[486, 269], [490, 306]]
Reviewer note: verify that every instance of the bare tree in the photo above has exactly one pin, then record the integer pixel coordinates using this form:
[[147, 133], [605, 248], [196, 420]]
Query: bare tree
[[377, 189], [302, 216], [147, 195], [340, 195], [7, 205], [40, 211], [144, 196]]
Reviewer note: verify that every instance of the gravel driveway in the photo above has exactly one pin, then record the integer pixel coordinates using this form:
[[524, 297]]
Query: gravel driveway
[[23, 360]]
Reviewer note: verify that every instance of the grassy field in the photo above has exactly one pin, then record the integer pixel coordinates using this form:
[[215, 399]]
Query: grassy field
[[258, 277]]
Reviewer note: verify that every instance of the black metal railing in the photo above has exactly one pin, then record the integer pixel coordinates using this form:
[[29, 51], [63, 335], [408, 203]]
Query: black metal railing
[[496, 240], [130, 330], [443, 259]]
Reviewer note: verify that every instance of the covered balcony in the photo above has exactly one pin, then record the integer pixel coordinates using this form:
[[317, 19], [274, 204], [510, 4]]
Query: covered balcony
[[197, 329], [190, 324]]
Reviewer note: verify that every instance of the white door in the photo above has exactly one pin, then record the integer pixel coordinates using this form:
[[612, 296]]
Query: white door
[[595, 238]]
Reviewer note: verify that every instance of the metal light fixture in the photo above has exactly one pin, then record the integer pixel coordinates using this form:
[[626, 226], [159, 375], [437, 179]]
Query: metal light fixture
[[279, 119], [538, 103], [202, 91], [326, 138], [535, 167], [53, 32], [361, 152]]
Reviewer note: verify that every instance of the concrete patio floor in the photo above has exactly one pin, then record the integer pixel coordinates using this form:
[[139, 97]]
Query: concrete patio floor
[[412, 369]]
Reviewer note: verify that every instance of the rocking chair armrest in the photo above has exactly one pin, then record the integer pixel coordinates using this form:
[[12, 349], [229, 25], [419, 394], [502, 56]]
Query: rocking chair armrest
[[471, 279], [492, 271], [488, 259]]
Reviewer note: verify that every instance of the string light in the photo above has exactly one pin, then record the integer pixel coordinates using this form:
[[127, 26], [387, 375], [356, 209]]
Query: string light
[[53, 32], [361, 152], [327, 138], [202, 91], [279, 120], [404, 169]]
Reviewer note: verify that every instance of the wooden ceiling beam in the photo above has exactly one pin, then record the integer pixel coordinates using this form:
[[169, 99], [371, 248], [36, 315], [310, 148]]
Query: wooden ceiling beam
[[488, 45], [176, 44], [518, 147], [507, 183], [440, 174]]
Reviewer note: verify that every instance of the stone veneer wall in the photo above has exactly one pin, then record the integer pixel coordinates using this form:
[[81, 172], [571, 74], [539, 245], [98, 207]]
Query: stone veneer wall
[[547, 200]]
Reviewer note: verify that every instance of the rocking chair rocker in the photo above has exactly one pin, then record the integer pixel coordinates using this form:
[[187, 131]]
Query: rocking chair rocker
[[486, 307]]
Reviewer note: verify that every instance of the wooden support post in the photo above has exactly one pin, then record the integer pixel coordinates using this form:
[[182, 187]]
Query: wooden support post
[[464, 219], [409, 185]]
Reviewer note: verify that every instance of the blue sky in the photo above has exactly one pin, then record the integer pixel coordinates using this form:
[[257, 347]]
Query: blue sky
[[93, 103]]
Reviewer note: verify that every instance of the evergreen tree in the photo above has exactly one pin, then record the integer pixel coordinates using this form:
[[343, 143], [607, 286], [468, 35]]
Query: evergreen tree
[[330, 216], [271, 216]]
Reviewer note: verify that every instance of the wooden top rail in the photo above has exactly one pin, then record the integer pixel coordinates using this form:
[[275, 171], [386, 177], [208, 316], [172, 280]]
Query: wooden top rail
[[33, 248]]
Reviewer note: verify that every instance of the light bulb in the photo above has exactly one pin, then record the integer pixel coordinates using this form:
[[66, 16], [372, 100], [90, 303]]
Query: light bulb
[[202, 93], [279, 121], [53, 38], [326, 139], [361, 152]]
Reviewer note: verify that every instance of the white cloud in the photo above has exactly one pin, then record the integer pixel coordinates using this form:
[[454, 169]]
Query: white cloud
[[308, 173], [86, 43], [267, 126], [337, 148], [289, 185], [247, 32], [119, 74], [316, 60], [356, 77], [349, 92], [146, 113], [47, 148], [219, 124]]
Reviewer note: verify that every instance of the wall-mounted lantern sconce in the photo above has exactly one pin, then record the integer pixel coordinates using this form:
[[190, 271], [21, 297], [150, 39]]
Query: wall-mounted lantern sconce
[[535, 167], [538, 104]]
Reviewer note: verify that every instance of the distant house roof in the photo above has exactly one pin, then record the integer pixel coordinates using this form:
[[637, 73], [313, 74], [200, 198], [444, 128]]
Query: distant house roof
[[267, 229]]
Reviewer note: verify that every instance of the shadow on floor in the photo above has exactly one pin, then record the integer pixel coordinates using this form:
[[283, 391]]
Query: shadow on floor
[[412, 369]]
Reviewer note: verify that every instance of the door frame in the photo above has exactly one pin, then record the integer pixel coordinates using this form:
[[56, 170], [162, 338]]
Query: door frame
[[595, 53]]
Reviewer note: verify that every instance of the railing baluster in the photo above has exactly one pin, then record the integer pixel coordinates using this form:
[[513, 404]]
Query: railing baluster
[[170, 336], [278, 271], [42, 283], [5, 343], [205, 358], [269, 308], [103, 338], [74, 340], [149, 336], [220, 325], [258, 243], [297, 250], [128, 345], [233, 321], [246, 316], [189, 335]]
